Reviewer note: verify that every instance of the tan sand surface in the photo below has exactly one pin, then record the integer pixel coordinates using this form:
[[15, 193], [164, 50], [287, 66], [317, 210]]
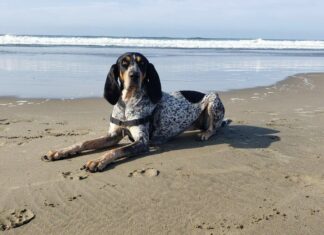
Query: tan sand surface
[[264, 174]]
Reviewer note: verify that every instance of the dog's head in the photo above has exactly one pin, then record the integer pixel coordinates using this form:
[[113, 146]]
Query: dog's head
[[132, 72]]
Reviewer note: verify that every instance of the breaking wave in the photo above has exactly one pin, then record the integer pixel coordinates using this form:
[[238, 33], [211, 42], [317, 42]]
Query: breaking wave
[[159, 42]]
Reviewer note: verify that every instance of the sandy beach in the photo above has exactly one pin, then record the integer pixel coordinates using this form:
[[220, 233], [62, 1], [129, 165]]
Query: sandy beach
[[261, 175]]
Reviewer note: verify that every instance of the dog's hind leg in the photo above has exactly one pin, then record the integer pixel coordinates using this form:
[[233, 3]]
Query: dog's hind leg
[[213, 117], [113, 137]]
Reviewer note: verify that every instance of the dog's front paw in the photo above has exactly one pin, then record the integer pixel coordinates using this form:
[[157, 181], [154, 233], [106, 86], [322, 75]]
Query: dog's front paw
[[94, 165], [53, 155], [100, 163]]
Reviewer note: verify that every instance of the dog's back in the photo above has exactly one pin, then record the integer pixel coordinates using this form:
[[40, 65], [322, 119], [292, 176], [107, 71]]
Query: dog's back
[[177, 112]]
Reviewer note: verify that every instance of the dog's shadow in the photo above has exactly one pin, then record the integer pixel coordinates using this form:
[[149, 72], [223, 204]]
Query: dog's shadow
[[236, 136]]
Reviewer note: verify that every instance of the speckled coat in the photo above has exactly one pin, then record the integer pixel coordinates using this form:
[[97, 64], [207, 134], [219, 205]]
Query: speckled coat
[[172, 115]]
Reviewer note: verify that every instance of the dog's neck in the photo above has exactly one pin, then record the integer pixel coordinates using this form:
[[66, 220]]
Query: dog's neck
[[137, 106], [131, 94]]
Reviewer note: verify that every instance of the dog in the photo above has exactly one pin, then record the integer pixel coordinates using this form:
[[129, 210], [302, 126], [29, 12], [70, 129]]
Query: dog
[[146, 114]]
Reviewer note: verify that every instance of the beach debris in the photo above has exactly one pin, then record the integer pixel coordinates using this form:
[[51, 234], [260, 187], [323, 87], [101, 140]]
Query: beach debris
[[236, 99], [108, 184], [313, 211], [241, 226], [74, 197], [148, 172], [81, 176], [74, 176], [50, 204], [206, 226], [13, 218], [67, 174]]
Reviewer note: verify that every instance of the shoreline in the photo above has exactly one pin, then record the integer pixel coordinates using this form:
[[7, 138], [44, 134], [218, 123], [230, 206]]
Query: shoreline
[[261, 174], [99, 97]]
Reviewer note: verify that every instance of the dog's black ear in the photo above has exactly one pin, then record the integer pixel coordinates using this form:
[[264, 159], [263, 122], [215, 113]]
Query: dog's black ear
[[112, 89], [153, 84]]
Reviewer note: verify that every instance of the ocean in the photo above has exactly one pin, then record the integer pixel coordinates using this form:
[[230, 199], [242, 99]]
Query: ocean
[[75, 67]]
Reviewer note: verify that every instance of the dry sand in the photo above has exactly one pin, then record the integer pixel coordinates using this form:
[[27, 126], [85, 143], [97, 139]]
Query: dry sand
[[264, 174]]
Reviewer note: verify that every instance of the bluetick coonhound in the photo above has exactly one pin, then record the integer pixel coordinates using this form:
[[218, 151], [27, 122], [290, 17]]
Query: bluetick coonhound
[[146, 114]]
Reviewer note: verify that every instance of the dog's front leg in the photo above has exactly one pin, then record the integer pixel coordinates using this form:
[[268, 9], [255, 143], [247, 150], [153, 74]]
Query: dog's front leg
[[140, 145], [113, 137]]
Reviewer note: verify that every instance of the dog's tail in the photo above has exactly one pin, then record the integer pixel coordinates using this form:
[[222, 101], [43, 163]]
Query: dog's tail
[[226, 122]]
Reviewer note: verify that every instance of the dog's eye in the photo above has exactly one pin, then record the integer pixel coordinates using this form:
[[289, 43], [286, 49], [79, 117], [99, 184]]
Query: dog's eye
[[124, 63]]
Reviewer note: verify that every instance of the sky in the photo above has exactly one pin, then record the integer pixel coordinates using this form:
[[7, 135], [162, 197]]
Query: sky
[[269, 19]]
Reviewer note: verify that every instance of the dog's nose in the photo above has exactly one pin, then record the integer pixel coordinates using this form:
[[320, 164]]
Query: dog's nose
[[134, 75]]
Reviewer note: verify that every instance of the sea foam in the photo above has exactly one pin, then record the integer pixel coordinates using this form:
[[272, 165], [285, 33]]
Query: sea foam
[[160, 42]]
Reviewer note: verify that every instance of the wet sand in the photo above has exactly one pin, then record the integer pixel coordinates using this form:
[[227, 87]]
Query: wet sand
[[261, 175]]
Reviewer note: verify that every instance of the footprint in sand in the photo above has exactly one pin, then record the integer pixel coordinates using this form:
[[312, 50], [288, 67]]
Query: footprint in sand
[[148, 172], [14, 218], [58, 133], [305, 180], [4, 122], [62, 123]]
